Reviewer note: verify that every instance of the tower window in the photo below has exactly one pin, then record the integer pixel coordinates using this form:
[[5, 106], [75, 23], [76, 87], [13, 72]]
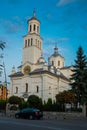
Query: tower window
[[58, 63], [37, 87], [49, 90], [38, 29], [53, 63], [26, 88], [36, 42], [28, 42], [31, 41], [34, 27], [30, 28]]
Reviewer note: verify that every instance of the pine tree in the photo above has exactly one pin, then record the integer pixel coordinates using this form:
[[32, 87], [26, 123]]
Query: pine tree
[[79, 77]]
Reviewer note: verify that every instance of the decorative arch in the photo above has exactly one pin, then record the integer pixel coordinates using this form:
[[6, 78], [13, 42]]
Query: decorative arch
[[27, 69]]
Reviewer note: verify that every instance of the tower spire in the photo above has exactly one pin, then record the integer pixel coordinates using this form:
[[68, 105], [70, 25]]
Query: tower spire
[[55, 49], [34, 13]]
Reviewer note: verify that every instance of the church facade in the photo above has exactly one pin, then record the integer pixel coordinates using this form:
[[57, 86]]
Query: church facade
[[35, 76]]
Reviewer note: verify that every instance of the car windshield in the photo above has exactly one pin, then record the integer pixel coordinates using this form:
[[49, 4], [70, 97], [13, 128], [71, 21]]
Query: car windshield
[[29, 109]]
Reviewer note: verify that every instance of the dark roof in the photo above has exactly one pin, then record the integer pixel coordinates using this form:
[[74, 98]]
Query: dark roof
[[55, 55], [20, 66], [17, 74], [41, 71], [34, 18]]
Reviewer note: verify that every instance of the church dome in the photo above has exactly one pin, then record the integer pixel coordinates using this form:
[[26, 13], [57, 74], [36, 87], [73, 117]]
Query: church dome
[[55, 54], [41, 60], [34, 17]]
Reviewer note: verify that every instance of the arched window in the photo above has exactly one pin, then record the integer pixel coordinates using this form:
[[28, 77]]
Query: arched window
[[26, 88], [30, 28], [36, 42], [49, 90], [34, 27], [16, 90], [37, 87], [31, 41], [38, 29], [40, 45], [58, 63], [28, 42], [53, 63]]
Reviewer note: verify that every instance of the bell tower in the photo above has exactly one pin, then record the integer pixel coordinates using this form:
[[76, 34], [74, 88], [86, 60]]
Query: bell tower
[[32, 48]]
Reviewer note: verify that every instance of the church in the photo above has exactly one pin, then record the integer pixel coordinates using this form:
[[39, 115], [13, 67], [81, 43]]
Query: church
[[35, 76]]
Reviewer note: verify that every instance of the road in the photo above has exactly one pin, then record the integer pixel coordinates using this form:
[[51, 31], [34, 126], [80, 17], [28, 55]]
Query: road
[[21, 124]]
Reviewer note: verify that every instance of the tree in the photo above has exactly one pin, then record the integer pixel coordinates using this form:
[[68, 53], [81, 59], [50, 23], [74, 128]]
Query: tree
[[79, 77], [2, 45], [65, 97], [15, 100], [35, 101]]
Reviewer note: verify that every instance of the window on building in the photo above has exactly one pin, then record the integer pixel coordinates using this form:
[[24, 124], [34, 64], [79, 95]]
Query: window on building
[[40, 45], [26, 90], [28, 42], [34, 27], [49, 90], [36, 41], [16, 90], [30, 28], [31, 41], [37, 87], [38, 29], [58, 63], [53, 63], [63, 63]]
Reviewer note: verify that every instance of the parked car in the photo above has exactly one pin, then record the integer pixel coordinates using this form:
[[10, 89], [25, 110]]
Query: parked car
[[29, 113]]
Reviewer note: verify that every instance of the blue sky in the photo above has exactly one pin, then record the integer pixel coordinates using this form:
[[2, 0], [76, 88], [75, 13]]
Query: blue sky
[[63, 22]]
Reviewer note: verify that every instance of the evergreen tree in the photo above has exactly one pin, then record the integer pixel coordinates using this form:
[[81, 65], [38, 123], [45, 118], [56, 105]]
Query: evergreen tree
[[79, 77]]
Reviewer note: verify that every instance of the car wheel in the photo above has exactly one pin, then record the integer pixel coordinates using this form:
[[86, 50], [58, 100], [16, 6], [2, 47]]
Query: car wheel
[[31, 117]]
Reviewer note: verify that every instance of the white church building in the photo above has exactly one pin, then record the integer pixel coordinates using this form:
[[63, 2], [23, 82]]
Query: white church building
[[36, 76]]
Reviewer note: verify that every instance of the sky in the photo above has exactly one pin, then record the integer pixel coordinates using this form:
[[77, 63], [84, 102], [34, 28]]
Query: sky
[[63, 23]]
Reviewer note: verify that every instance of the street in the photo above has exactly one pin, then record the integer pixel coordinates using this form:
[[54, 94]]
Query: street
[[21, 124]]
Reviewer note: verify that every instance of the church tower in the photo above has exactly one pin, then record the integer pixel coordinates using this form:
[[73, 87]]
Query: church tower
[[32, 49], [56, 59]]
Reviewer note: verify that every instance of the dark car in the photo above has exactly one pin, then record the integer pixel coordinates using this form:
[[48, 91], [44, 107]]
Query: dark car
[[29, 113]]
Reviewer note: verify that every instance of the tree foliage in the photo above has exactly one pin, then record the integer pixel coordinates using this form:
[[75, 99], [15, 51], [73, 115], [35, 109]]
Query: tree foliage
[[15, 100], [79, 76], [35, 101], [2, 104], [2, 45], [65, 97]]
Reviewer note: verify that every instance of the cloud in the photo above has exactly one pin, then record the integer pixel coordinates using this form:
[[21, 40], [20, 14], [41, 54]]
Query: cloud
[[64, 2], [56, 41], [12, 26]]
